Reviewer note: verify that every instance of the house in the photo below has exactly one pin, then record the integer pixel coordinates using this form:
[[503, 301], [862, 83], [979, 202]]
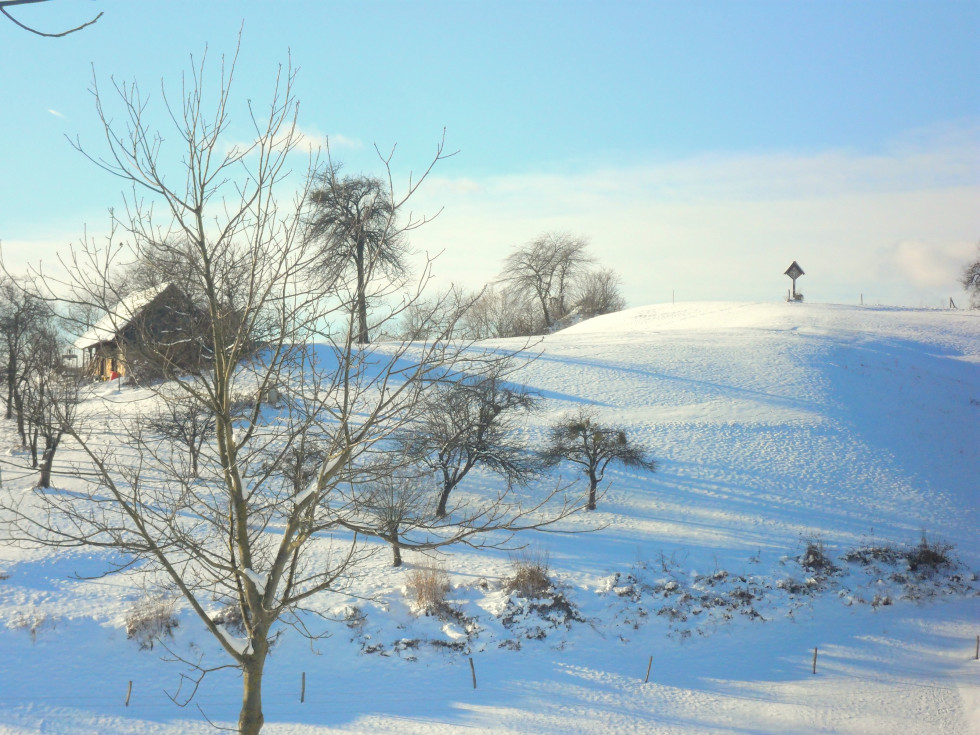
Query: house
[[148, 334]]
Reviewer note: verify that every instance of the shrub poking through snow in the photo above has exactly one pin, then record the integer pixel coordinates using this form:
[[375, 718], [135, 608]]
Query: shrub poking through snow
[[231, 618], [928, 557], [427, 587], [535, 606], [149, 620], [535, 618], [530, 578], [354, 617], [874, 553], [33, 621], [814, 559]]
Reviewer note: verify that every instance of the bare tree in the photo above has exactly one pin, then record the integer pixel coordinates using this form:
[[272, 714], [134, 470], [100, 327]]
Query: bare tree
[[162, 263], [472, 421], [180, 419], [580, 438], [971, 280], [545, 269], [4, 4], [441, 314], [597, 292], [399, 499], [499, 312], [23, 317], [51, 399], [212, 536], [353, 218], [42, 360]]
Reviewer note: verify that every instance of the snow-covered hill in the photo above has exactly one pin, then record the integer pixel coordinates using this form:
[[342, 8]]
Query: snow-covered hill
[[804, 451]]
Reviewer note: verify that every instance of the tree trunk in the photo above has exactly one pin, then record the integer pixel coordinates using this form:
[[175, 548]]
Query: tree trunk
[[194, 450], [396, 550], [544, 308], [443, 500], [19, 407], [362, 326], [361, 297], [593, 482], [11, 377], [250, 718], [35, 435], [51, 446]]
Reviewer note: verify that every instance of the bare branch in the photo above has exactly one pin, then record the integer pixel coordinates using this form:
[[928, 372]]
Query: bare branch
[[4, 4]]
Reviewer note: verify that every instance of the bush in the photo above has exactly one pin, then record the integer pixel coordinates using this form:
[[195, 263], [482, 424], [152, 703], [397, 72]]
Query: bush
[[149, 620], [929, 556], [427, 587], [531, 574], [813, 559], [33, 621], [867, 555], [231, 618]]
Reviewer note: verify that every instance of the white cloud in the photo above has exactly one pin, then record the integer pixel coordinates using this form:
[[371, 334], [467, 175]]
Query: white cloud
[[339, 140], [308, 140], [929, 265], [57, 114], [891, 225], [312, 140], [894, 227], [19, 255]]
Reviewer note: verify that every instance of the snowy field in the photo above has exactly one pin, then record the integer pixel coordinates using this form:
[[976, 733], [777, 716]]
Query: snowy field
[[779, 429]]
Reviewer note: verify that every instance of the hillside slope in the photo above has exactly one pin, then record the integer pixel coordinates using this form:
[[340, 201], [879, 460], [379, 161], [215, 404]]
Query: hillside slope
[[780, 430]]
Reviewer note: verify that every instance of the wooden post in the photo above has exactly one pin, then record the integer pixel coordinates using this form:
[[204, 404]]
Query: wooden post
[[302, 689], [977, 656], [129, 690], [814, 659], [473, 671], [649, 666]]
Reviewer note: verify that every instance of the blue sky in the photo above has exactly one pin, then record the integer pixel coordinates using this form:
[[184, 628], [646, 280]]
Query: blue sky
[[701, 146]]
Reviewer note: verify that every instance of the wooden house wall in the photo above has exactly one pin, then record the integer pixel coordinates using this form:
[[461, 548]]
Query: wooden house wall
[[164, 337]]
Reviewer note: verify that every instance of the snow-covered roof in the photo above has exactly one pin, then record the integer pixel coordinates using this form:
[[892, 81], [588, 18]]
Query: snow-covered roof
[[119, 317]]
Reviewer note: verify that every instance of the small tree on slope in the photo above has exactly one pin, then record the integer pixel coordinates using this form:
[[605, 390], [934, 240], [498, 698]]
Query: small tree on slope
[[468, 422], [581, 439]]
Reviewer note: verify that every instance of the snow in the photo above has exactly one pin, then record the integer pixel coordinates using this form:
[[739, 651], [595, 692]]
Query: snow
[[239, 645], [111, 323], [259, 580], [779, 429]]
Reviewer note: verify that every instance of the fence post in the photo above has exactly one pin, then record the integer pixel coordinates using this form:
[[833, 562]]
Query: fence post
[[302, 689], [649, 666], [814, 659], [473, 671], [129, 690]]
